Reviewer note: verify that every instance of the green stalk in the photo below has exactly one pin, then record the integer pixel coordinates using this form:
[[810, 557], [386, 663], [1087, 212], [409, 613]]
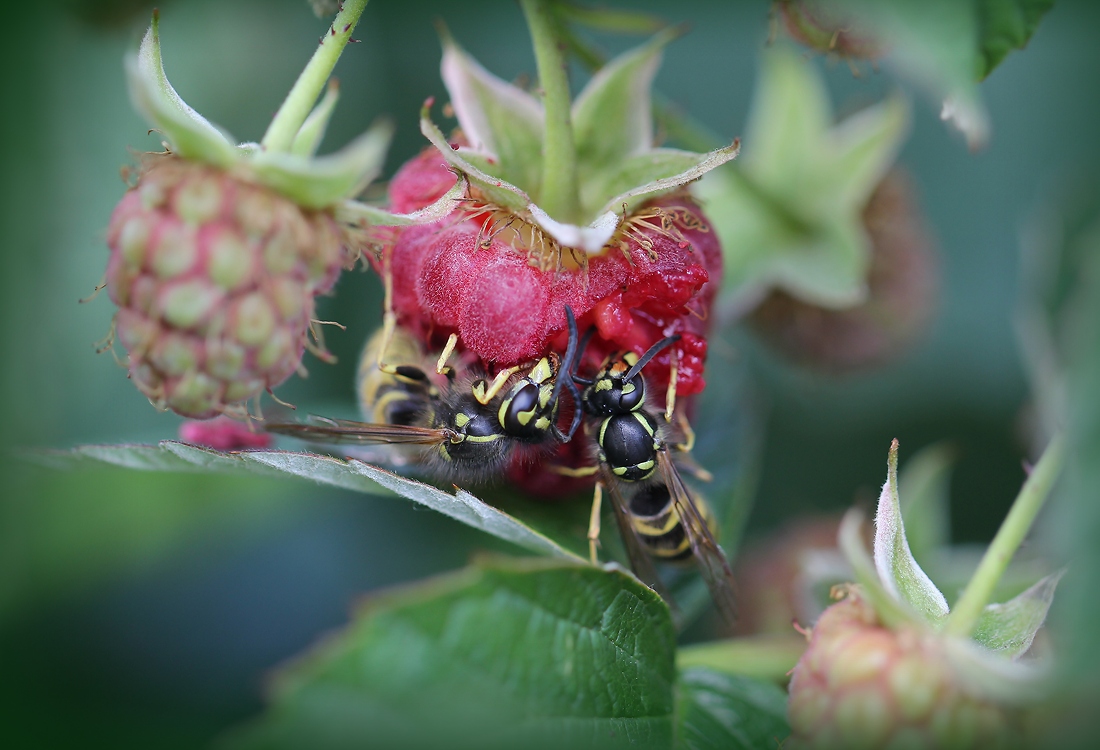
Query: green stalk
[[766, 657], [1017, 523], [559, 195], [299, 102]]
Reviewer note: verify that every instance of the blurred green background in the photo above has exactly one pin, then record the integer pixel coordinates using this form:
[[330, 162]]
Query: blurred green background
[[145, 610]]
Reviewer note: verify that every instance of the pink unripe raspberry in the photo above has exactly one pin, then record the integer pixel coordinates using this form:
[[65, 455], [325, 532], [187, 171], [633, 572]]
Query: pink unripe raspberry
[[214, 278]]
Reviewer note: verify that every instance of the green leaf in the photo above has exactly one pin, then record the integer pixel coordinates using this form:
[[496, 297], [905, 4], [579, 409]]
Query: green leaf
[[923, 487], [1010, 628], [719, 711], [189, 134], [503, 654], [312, 132], [350, 474], [935, 44], [1007, 25], [897, 570], [612, 116], [319, 182], [497, 118], [789, 213]]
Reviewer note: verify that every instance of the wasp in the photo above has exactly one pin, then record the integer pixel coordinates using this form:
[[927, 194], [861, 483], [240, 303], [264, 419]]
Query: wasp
[[658, 516], [467, 425]]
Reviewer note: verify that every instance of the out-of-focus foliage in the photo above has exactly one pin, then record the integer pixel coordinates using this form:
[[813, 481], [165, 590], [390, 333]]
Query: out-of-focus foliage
[[947, 46], [1061, 315], [128, 643]]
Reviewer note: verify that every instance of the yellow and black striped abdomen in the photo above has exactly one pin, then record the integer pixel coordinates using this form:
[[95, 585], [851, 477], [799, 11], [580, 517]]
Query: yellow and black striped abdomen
[[402, 393], [658, 524]]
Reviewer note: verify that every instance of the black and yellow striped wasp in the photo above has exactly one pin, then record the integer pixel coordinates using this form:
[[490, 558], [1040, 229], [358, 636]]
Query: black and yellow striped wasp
[[659, 517], [466, 425]]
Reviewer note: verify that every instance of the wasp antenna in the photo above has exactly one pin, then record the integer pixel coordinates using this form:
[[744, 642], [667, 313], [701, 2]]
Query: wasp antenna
[[652, 352]]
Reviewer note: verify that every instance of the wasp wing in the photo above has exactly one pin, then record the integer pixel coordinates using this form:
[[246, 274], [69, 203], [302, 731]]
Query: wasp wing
[[712, 562], [640, 560], [344, 431]]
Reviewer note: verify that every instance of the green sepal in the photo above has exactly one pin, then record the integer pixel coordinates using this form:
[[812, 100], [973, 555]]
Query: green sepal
[[789, 212], [665, 170], [188, 133], [1010, 628], [893, 612], [990, 676], [617, 164], [324, 180], [499, 191], [355, 212], [899, 573], [310, 135], [497, 118], [612, 117]]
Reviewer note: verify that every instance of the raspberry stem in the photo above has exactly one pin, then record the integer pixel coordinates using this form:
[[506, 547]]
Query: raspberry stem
[[1017, 523], [559, 195], [298, 103]]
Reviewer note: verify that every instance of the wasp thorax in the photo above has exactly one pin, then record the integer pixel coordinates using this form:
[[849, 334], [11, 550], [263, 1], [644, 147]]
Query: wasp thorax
[[628, 444]]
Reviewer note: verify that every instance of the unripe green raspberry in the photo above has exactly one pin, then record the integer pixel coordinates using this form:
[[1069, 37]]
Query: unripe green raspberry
[[862, 685], [215, 279]]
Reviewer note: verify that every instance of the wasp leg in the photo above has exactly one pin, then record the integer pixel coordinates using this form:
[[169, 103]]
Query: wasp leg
[[389, 317], [485, 395], [670, 395], [689, 435], [441, 366], [594, 524]]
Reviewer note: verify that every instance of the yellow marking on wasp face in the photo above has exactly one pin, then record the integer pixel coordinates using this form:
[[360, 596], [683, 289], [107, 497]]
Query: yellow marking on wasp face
[[525, 416], [461, 420], [603, 384], [541, 372], [542, 423], [630, 358], [545, 392], [628, 388]]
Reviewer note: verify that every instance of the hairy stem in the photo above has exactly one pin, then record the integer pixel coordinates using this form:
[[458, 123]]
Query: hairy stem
[[559, 194], [299, 102], [1017, 523]]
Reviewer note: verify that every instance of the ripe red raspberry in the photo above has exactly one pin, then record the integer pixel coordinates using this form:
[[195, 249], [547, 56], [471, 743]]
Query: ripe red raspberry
[[215, 280], [503, 286], [223, 434]]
